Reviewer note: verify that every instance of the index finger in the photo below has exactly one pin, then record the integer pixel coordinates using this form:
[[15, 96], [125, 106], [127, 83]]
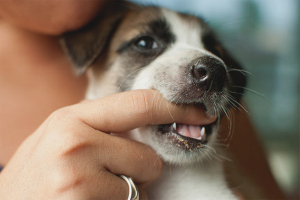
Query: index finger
[[129, 110]]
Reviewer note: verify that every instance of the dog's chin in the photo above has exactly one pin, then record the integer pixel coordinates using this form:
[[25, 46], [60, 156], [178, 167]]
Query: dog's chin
[[178, 148]]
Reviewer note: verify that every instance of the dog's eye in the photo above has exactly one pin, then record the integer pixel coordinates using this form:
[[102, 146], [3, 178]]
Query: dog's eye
[[146, 43]]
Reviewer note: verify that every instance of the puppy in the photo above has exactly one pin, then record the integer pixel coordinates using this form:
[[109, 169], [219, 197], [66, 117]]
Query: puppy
[[129, 47]]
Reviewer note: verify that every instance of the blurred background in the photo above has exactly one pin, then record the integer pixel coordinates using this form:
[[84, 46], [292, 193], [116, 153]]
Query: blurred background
[[263, 35]]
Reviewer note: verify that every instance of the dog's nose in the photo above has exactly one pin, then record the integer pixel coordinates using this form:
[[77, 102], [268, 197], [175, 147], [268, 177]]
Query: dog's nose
[[208, 73]]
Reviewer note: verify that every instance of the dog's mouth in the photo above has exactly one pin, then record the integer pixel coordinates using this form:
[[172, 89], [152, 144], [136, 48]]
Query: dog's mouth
[[187, 136]]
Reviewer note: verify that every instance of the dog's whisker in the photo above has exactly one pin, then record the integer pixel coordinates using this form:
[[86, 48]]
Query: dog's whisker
[[214, 107], [224, 112], [232, 132], [236, 93], [221, 144], [170, 111], [121, 96], [228, 115], [231, 102], [248, 89], [240, 105], [244, 72], [211, 148], [225, 158], [213, 153], [143, 49], [208, 155]]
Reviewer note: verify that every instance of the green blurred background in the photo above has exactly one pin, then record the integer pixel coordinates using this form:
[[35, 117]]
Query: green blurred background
[[263, 35]]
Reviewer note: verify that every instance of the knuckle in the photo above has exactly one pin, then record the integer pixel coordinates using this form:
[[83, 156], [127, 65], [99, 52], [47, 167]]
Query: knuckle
[[76, 145], [74, 165], [60, 117], [66, 134], [62, 113], [63, 180], [71, 146]]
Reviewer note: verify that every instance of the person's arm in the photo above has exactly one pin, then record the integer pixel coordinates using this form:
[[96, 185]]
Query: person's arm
[[72, 156], [52, 17], [249, 155]]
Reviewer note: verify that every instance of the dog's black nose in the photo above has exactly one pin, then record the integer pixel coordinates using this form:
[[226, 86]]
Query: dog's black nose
[[208, 73], [199, 72]]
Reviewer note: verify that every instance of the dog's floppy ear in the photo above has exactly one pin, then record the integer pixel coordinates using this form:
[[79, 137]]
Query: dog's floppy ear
[[83, 46], [238, 78]]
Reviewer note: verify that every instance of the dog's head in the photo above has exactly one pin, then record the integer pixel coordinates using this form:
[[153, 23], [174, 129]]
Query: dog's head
[[131, 47]]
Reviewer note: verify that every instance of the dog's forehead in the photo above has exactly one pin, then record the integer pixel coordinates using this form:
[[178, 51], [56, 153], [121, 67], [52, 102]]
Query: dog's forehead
[[135, 22], [187, 29]]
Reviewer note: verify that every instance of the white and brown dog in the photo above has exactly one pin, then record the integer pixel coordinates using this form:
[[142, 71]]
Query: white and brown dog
[[130, 47]]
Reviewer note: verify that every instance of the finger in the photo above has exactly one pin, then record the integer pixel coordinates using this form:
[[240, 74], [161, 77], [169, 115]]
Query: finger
[[143, 194], [105, 186], [109, 186], [85, 101], [106, 152], [134, 159], [125, 111]]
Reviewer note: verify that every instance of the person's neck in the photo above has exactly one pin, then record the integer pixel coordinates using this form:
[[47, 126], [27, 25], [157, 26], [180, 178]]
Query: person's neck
[[35, 79]]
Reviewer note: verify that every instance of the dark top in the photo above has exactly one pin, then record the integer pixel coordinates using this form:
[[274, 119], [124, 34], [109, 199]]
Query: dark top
[[1, 168]]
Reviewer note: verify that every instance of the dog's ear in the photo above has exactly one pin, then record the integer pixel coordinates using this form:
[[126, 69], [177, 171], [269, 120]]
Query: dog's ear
[[83, 46], [238, 78]]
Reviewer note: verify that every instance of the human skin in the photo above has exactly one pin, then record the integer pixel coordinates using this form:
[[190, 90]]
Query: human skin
[[248, 154], [36, 80], [72, 156], [52, 17]]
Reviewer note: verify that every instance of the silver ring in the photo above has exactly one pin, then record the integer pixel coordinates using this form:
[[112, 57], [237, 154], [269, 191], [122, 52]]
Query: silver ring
[[133, 191]]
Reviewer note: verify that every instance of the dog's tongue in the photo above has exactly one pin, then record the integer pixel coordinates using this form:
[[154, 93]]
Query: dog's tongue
[[196, 132]]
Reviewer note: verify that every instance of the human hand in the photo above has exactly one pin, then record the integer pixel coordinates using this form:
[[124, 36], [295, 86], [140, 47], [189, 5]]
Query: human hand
[[72, 156]]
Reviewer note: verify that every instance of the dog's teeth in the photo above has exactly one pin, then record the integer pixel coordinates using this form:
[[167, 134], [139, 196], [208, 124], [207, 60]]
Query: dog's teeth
[[199, 138], [202, 132], [174, 126]]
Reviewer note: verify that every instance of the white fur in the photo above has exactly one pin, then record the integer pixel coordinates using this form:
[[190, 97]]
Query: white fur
[[199, 181], [189, 181], [186, 33]]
